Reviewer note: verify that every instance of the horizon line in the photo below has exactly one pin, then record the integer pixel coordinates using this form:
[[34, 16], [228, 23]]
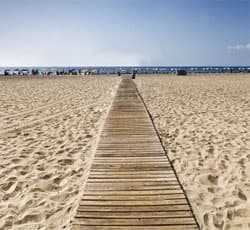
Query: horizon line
[[117, 66]]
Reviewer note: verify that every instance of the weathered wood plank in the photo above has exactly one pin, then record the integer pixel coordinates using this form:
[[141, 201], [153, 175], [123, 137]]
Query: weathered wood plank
[[139, 197], [131, 169], [132, 177], [131, 202], [131, 187], [133, 192], [119, 180], [135, 208], [128, 215], [141, 172], [130, 165]]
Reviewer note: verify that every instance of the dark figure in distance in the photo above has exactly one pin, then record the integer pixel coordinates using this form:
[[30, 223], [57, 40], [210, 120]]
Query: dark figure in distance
[[134, 74]]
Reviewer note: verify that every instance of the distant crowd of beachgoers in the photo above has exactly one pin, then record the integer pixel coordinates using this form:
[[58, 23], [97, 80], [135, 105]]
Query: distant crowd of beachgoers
[[26, 72], [46, 71]]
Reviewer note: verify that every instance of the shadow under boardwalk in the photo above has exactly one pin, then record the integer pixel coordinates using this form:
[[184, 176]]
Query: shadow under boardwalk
[[132, 184]]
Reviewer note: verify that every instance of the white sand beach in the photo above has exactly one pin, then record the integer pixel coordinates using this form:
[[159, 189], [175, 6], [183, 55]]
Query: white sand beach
[[48, 132], [49, 129], [204, 123]]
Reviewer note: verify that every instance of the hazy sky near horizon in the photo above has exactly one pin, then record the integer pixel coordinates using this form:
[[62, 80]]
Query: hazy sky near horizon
[[124, 32]]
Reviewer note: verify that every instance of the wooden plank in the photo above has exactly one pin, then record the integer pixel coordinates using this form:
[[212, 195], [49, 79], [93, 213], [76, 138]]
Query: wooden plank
[[129, 160], [130, 187], [135, 143], [129, 180], [131, 192], [139, 197], [130, 165], [131, 169], [132, 177], [135, 208], [127, 154], [128, 215], [141, 172], [134, 183], [135, 221], [131, 203], [150, 158], [168, 227]]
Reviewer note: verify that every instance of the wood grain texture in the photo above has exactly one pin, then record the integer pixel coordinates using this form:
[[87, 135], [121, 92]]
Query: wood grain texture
[[132, 184]]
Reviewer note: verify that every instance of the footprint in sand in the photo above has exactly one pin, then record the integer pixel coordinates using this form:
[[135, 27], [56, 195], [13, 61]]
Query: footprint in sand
[[241, 195], [208, 179]]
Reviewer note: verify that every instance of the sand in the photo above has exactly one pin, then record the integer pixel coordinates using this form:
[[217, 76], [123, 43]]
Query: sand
[[204, 123], [49, 129], [48, 132]]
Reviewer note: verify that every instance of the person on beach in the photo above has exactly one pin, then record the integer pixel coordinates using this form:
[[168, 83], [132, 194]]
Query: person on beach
[[134, 74]]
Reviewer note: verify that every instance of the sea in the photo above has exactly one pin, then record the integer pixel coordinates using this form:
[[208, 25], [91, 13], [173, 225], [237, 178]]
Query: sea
[[128, 69]]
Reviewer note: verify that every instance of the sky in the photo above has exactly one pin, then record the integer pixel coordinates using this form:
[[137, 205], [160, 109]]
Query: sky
[[124, 32]]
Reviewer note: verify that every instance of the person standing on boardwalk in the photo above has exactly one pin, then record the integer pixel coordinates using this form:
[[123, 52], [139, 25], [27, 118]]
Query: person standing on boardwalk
[[133, 74]]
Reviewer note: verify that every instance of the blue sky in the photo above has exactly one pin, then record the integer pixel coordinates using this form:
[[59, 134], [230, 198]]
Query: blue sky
[[124, 32]]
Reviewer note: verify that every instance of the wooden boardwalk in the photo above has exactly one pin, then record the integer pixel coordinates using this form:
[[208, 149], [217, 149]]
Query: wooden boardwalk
[[132, 184]]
